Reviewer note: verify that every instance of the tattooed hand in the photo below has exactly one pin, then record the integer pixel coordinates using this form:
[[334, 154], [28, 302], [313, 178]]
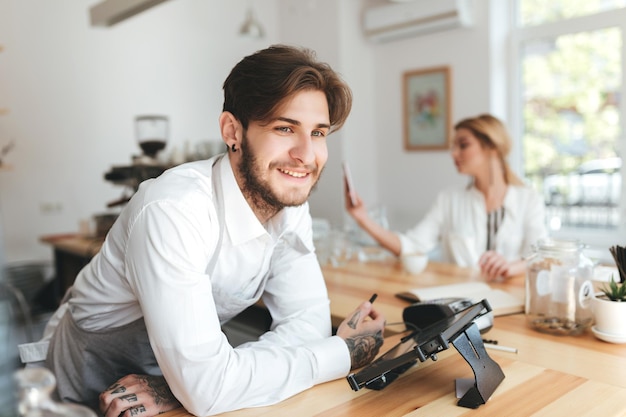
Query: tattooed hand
[[363, 337], [137, 395]]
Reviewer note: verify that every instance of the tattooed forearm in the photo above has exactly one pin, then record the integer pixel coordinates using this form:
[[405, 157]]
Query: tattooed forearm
[[158, 390], [364, 348]]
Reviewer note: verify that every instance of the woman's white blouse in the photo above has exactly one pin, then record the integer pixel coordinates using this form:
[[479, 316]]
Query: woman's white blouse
[[457, 222]]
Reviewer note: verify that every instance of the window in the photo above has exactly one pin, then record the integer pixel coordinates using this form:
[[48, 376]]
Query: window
[[570, 83], [536, 12]]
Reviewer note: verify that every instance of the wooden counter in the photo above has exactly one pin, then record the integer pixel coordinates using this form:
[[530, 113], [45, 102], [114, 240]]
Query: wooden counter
[[549, 376], [76, 244], [71, 253]]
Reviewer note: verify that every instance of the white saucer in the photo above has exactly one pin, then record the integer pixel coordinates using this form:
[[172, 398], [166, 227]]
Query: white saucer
[[607, 337]]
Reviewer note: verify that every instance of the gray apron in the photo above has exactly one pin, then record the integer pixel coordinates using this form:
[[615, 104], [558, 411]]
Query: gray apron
[[86, 362]]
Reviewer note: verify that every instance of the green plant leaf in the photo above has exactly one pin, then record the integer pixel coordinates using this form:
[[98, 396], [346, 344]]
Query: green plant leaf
[[614, 291]]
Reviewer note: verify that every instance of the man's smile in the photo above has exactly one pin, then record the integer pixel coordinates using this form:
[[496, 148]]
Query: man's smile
[[293, 173]]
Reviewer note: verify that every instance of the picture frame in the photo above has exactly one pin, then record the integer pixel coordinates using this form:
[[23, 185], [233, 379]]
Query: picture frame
[[426, 106]]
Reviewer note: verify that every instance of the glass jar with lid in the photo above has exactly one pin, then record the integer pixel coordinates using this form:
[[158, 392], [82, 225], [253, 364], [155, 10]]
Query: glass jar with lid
[[556, 287], [34, 394]]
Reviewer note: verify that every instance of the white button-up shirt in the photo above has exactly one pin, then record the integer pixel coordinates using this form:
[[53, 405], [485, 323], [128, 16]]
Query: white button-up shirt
[[457, 222], [155, 264]]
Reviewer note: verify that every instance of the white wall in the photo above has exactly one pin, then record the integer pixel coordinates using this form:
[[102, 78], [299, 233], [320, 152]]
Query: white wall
[[408, 181], [315, 24], [74, 90], [332, 28]]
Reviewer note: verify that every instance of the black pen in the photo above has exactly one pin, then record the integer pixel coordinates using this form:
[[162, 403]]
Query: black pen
[[373, 297]]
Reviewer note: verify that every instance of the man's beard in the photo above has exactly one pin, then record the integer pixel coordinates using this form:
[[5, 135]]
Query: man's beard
[[258, 191]]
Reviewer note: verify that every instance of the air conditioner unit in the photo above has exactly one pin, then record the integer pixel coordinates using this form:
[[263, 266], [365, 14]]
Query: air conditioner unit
[[412, 18]]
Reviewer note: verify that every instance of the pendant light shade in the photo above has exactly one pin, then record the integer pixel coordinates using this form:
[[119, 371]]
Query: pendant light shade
[[251, 27]]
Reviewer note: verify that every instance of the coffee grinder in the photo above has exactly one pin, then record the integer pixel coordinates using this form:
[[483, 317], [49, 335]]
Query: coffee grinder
[[151, 132]]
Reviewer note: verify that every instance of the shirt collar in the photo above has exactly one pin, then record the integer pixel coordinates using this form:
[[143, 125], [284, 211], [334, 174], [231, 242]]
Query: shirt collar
[[242, 224], [511, 199]]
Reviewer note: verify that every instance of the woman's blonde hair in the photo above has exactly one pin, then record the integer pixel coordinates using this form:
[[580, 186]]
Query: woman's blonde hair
[[492, 134]]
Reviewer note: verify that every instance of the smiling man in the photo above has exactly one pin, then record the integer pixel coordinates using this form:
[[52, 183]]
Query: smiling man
[[202, 242], [283, 162]]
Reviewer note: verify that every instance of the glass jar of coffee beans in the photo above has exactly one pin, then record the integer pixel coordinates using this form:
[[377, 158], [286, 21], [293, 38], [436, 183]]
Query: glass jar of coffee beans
[[555, 287]]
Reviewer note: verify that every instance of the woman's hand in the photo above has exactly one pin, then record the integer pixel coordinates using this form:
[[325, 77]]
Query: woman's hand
[[358, 210], [385, 238], [494, 266], [363, 337], [137, 395]]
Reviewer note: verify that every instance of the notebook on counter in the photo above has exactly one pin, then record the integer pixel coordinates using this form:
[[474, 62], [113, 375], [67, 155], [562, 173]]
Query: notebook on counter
[[501, 301]]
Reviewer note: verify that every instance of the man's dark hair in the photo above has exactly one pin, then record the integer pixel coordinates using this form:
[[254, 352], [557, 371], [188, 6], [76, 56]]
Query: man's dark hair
[[261, 82]]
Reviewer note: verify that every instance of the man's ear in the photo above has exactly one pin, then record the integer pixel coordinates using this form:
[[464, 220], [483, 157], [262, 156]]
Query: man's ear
[[230, 129]]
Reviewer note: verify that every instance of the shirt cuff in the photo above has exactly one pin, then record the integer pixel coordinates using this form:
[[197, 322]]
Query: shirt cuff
[[333, 359], [406, 246]]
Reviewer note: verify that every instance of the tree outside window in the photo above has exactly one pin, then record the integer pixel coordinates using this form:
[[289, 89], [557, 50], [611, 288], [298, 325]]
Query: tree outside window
[[571, 84]]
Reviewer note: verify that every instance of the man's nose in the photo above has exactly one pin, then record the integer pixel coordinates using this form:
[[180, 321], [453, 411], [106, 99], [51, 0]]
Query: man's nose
[[303, 150]]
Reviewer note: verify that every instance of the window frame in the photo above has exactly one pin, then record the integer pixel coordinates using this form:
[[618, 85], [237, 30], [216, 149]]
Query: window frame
[[598, 239]]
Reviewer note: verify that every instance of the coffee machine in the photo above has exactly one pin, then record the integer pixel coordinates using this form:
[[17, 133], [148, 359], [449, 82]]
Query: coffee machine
[[151, 134]]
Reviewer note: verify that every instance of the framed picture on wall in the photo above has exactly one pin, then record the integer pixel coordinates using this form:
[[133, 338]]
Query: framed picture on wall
[[426, 104]]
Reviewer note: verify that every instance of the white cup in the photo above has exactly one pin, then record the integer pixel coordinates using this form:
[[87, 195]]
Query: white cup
[[414, 263]]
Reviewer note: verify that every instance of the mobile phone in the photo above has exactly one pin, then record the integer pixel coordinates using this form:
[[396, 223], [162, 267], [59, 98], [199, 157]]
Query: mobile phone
[[347, 177]]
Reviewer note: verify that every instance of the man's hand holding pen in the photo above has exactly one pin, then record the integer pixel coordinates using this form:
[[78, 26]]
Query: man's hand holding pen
[[363, 336]]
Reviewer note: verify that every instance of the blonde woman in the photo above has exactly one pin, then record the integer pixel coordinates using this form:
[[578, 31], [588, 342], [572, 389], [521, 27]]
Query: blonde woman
[[491, 223]]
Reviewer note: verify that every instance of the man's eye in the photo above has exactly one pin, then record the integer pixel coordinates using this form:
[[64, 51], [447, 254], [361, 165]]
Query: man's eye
[[284, 129], [318, 133]]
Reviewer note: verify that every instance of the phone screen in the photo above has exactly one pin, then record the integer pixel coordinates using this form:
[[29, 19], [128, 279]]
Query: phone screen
[[347, 176]]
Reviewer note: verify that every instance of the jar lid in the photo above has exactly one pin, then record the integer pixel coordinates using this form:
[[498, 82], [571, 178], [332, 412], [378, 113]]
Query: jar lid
[[558, 245]]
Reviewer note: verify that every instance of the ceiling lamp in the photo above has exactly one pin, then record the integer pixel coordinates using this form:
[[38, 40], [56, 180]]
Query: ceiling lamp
[[251, 27]]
